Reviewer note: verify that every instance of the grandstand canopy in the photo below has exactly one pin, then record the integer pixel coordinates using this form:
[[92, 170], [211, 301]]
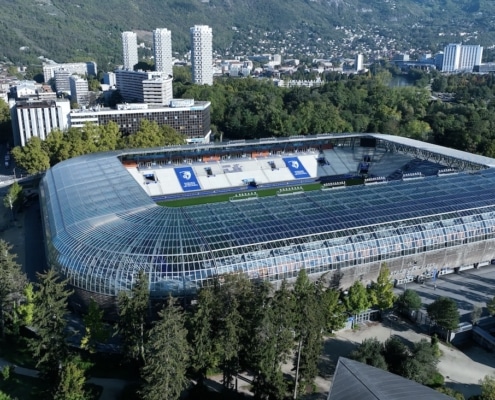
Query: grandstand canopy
[[102, 227]]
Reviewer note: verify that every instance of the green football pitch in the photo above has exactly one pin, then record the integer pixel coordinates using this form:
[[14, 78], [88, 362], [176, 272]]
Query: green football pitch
[[207, 199]]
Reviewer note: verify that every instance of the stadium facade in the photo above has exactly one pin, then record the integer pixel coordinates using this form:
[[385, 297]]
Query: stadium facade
[[423, 210]]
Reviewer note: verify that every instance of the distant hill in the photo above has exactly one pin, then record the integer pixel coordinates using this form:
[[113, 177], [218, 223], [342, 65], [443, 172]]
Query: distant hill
[[72, 30]]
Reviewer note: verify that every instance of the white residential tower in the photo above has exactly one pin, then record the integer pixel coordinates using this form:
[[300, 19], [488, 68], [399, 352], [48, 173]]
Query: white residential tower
[[129, 50], [162, 47], [202, 54]]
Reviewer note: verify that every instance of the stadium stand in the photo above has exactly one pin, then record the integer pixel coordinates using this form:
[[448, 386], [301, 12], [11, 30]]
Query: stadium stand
[[102, 227]]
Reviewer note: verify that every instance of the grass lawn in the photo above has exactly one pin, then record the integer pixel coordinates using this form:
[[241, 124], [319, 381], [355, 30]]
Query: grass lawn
[[194, 201]]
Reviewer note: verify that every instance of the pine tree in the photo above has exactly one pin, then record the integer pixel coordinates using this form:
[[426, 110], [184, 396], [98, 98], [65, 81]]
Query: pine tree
[[204, 354], [333, 310], [133, 316], [49, 321], [167, 355], [95, 329], [25, 311], [72, 381], [275, 341], [12, 283], [229, 337], [309, 324]]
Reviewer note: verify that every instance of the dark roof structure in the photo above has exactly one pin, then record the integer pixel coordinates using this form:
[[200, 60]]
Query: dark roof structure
[[355, 380]]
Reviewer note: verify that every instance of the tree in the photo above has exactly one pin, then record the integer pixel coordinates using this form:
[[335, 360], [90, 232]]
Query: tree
[[384, 289], [409, 301], [109, 137], [12, 283], [49, 322], [421, 366], [490, 305], [72, 381], [32, 157], [95, 330], [444, 312], [204, 354], [133, 316], [333, 310], [229, 337], [167, 355], [357, 299], [309, 324], [150, 134], [5, 396], [13, 198], [275, 342], [25, 311], [476, 314], [487, 388], [5, 123], [396, 353], [370, 352]]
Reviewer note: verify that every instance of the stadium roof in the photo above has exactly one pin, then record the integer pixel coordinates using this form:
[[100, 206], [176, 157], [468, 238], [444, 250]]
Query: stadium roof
[[461, 155], [99, 220], [355, 380], [415, 144]]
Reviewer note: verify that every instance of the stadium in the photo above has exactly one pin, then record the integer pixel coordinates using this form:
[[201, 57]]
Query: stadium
[[335, 204]]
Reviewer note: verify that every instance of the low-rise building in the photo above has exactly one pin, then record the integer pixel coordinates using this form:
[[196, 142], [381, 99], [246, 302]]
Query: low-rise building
[[37, 118], [188, 117]]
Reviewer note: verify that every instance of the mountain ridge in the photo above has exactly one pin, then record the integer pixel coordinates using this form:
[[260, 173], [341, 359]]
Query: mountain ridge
[[70, 30]]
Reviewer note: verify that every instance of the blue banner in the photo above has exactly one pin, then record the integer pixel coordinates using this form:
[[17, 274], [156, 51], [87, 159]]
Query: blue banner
[[296, 168], [187, 179]]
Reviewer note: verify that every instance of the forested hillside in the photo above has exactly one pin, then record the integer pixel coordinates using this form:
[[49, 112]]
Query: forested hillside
[[71, 30]]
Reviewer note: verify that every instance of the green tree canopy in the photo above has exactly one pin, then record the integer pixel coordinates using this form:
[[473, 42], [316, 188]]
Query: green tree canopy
[[95, 329], [370, 352], [133, 309], [14, 197], [421, 366], [50, 347], [201, 328], [357, 299], [32, 157], [167, 355], [444, 312], [309, 325], [396, 353], [150, 134], [487, 388], [72, 381], [409, 301], [383, 289], [12, 284], [275, 341]]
